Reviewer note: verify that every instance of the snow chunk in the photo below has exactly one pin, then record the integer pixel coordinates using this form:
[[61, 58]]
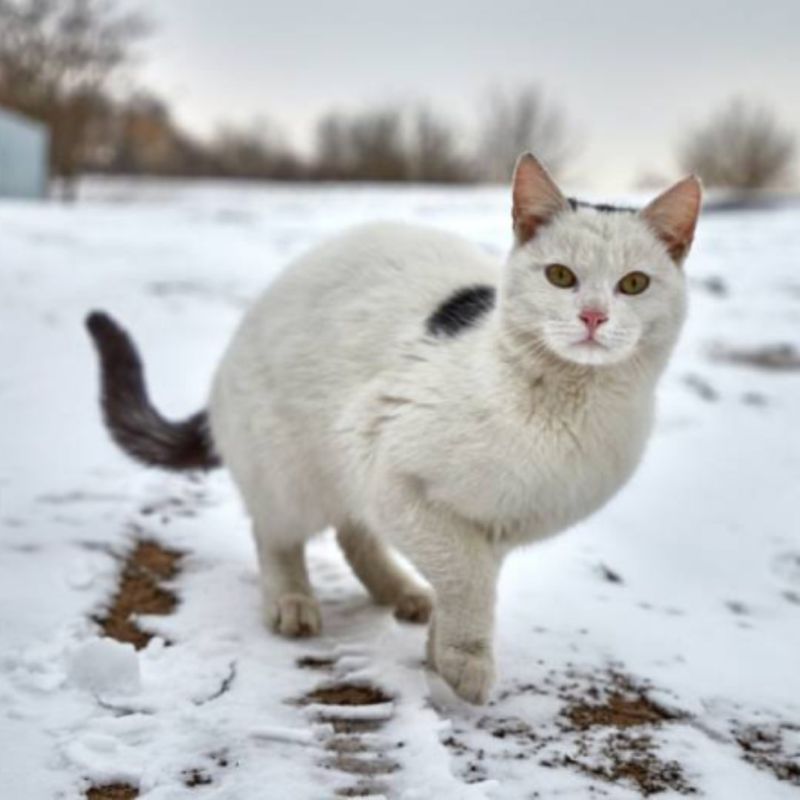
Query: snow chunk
[[105, 666], [304, 736], [375, 712]]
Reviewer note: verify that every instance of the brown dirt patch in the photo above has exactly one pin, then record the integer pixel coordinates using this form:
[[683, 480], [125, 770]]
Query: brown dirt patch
[[363, 789], [701, 387], [353, 726], [347, 751], [624, 707], [347, 694], [315, 662], [764, 746], [355, 765], [196, 777], [221, 758], [608, 574], [774, 357], [623, 755], [346, 744], [141, 591], [112, 791], [605, 729], [632, 759]]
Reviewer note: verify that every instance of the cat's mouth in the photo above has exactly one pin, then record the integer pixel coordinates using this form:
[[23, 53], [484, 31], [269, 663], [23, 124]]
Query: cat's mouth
[[589, 348], [592, 351]]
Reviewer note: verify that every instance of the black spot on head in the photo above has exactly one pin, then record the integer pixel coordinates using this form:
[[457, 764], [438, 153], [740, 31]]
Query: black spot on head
[[603, 208], [461, 310]]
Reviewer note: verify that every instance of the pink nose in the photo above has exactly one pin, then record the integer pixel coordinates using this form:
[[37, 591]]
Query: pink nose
[[593, 318]]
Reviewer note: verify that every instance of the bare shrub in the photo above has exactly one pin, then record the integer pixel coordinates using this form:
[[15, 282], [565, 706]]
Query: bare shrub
[[388, 144], [363, 146], [517, 122], [257, 151], [333, 156], [741, 147], [434, 155]]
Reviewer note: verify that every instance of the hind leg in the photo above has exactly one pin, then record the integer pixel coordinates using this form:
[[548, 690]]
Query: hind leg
[[290, 608], [388, 582]]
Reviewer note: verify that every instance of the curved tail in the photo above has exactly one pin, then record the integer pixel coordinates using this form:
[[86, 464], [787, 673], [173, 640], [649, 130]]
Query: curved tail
[[133, 422]]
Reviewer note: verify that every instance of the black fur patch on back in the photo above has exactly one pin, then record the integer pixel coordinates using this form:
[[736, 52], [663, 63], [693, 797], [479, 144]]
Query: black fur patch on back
[[604, 208], [461, 310]]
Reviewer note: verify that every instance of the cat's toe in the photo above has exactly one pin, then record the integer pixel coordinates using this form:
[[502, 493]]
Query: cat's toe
[[295, 616], [470, 674], [415, 606]]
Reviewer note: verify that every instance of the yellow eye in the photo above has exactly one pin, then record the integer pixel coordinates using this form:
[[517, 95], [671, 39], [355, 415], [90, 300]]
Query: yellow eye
[[561, 276], [634, 283]]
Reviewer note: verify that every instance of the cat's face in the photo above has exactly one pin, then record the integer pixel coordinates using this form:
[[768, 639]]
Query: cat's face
[[593, 286]]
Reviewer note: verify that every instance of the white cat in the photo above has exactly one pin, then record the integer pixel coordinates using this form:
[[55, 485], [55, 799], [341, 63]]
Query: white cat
[[399, 385]]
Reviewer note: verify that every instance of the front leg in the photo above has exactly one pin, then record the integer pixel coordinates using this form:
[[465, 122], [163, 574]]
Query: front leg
[[461, 631], [462, 564]]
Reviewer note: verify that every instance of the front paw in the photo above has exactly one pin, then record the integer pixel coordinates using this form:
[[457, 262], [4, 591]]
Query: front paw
[[294, 616], [414, 606], [469, 669]]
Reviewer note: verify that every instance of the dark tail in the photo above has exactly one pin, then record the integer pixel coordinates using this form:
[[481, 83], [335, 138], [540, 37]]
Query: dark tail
[[130, 417]]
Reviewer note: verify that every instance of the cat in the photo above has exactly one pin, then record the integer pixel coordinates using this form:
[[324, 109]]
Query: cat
[[401, 386]]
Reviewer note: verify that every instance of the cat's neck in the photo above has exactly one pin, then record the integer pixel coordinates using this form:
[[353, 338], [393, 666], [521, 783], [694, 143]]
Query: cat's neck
[[525, 369]]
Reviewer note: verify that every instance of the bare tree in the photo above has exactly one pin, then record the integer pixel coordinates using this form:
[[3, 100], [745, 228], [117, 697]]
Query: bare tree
[[138, 136], [333, 158], [742, 147], [432, 151], [56, 60], [256, 151], [363, 146], [377, 145], [388, 144], [520, 121]]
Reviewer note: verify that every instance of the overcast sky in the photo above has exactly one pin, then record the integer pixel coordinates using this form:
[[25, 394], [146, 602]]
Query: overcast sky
[[630, 74]]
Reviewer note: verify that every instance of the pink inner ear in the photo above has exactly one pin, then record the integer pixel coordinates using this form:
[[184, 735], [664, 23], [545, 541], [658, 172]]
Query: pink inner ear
[[526, 225], [536, 198], [673, 216]]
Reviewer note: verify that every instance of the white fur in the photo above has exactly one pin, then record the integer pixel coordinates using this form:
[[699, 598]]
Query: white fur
[[334, 407]]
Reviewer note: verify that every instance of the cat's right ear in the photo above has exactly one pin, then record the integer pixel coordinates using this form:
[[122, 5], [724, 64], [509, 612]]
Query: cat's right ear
[[536, 198]]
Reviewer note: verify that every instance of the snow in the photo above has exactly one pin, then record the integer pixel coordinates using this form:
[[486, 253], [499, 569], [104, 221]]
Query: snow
[[687, 584], [104, 666]]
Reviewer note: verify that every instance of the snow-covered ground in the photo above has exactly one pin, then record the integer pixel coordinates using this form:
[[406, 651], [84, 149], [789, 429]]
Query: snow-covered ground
[[654, 648]]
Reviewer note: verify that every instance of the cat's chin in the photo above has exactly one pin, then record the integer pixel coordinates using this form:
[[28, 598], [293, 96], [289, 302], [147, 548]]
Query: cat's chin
[[592, 353]]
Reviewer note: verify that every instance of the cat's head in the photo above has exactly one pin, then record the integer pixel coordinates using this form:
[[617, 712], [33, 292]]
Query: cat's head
[[595, 284]]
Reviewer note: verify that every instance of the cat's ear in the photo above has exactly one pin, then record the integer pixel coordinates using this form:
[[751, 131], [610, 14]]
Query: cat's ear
[[673, 216], [536, 198]]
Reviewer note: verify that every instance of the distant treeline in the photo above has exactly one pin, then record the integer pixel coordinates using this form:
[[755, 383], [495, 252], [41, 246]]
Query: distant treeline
[[414, 143], [61, 62]]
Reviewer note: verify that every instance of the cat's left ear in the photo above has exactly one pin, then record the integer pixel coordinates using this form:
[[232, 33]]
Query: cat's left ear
[[673, 216], [536, 198]]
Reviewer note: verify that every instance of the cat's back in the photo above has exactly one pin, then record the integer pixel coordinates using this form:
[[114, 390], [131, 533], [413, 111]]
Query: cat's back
[[351, 296], [331, 320], [387, 267]]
